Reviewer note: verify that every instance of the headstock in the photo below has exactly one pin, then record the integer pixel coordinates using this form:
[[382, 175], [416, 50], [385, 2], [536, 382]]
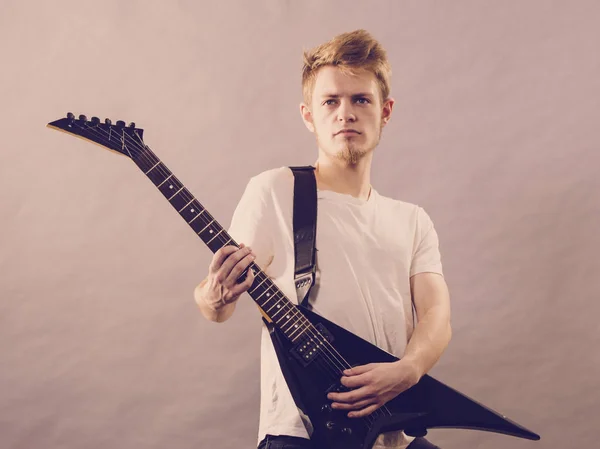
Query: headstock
[[127, 140]]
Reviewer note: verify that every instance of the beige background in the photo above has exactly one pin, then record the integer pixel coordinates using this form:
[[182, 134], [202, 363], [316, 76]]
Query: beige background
[[495, 132]]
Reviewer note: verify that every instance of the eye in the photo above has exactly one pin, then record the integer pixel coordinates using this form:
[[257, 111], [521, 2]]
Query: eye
[[366, 100], [327, 102]]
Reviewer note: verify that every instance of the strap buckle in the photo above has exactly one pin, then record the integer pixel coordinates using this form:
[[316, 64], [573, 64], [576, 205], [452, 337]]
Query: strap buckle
[[303, 282]]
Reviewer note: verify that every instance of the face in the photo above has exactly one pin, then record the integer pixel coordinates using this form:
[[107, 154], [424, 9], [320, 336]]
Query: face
[[346, 102]]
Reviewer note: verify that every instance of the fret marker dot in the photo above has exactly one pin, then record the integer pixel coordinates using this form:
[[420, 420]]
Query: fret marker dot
[[192, 210], [278, 306], [288, 317], [210, 231], [268, 294], [171, 186]]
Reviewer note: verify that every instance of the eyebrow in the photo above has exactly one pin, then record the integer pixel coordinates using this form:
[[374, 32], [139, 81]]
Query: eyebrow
[[361, 94]]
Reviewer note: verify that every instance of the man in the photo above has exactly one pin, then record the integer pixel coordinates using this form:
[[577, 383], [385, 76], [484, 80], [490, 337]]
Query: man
[[374, 255]]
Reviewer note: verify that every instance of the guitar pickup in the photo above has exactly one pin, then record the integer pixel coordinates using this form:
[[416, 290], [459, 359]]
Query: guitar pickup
[[312, 344]]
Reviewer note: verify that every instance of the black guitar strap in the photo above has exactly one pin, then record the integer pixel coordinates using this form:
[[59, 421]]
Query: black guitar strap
[[305, 230]]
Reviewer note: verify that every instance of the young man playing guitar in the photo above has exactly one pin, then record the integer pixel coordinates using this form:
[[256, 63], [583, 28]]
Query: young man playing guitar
[[376, 256]]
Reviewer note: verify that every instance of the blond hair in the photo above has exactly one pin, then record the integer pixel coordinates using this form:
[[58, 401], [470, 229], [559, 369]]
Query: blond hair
[[349, 52]]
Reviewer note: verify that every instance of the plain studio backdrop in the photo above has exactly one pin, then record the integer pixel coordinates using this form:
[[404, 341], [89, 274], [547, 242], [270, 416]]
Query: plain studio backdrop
[[495, 132]]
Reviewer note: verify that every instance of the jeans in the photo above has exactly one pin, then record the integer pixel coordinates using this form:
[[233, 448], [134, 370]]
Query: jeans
[[287, 442]]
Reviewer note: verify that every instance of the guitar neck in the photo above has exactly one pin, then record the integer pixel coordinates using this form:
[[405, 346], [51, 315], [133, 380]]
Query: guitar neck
[[276, 307]]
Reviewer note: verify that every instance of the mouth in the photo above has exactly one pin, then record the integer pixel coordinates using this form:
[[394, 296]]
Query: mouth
[[345, 132]]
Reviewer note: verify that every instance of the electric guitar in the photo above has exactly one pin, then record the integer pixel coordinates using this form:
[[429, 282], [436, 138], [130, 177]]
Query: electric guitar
[[313, 352]]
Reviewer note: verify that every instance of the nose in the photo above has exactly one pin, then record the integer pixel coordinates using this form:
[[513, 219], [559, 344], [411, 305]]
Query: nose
[[345, 111]]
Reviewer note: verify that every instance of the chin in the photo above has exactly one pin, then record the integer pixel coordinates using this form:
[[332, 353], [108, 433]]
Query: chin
[[351, 157]]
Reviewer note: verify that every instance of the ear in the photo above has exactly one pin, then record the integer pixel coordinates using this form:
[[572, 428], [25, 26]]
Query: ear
[[386, 112], [307, 117]]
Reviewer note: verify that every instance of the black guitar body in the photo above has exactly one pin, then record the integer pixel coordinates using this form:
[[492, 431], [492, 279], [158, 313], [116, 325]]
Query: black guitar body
[[312, 351], [428, 404]]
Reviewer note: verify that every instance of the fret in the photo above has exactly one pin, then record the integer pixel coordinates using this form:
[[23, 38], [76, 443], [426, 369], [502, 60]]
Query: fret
[[158, 174], [303, 334], [208, 232], [214, 247], [188, 213], [179, 198], [295, 339], [191, 201], [166, 179], [282, 323], [292, 321], [214, 236], [268, 295], [152, 168], [196, 216], [175, 194], [168, 188], [198, 225], [298, 328], [279, 309], [211, 221], [276, 304], [287, 319], [253, 290], [292, 330]]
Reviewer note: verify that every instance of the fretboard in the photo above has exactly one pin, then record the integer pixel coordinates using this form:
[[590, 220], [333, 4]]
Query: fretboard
[[276, 306]]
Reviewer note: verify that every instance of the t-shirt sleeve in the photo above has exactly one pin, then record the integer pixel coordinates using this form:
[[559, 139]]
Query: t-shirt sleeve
[[251, 220], [426, 256]]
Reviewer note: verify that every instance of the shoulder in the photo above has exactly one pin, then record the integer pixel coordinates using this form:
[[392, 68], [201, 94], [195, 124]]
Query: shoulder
[[272, 178], [411, 212], [398, 206]]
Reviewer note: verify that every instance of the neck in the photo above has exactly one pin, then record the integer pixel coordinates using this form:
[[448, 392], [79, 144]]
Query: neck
[[341, 177]]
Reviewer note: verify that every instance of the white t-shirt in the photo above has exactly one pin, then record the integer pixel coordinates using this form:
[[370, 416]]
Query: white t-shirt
[[366, 252]]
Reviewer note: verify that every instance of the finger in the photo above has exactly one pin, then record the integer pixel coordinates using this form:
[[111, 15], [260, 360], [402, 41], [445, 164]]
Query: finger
[[238, 289], [364, 412], [353, 405], [356, 381], [230, 262], [220, 256], [361, 369], [237, 270], [351, 396]]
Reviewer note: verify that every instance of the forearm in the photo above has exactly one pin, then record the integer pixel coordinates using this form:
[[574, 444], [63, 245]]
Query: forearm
[[429, 339]]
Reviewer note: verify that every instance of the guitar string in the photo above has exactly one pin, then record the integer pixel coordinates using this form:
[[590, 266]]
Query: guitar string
[[156, 165]]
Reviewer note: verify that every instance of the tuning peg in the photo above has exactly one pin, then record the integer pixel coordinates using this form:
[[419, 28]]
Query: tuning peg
[[108, 121], [83, 118], [132, 125], [70, 116], [95, 121], [120, 123]]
